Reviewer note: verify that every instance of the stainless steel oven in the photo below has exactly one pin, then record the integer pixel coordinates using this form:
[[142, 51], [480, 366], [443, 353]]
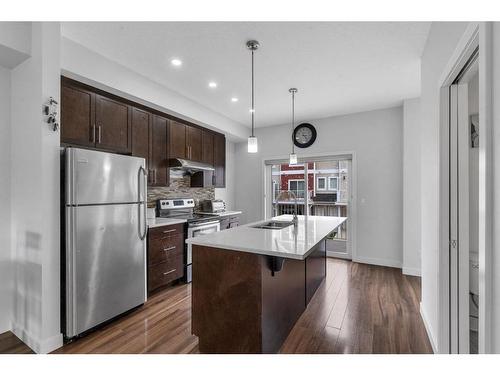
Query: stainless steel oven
[[196, 229]]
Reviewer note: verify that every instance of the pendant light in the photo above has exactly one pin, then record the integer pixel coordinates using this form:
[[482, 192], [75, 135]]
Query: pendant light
[[293, 155], [252, 45]]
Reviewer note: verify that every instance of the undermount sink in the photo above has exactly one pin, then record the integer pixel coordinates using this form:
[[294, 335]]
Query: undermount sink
[[274, 225]]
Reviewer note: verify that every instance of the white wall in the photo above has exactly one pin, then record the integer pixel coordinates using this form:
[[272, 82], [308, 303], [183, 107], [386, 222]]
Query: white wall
[[35, 194], [441, 43], [377, 139], [411, 187], [87, 66], [228, 193], [5, 244], [15, 43]]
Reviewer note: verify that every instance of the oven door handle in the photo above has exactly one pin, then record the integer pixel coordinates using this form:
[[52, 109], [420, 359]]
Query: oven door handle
[[205, 224]]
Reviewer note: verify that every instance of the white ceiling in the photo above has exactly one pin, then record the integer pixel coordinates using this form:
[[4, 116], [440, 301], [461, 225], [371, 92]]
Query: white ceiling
[[337, 67]]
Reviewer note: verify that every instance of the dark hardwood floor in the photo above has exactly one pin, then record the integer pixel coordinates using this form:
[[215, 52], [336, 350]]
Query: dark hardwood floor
[[358, 308], [10, 344]]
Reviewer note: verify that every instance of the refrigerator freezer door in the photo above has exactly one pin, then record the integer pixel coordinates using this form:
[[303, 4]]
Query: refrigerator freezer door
[[94, 177], [106, 261]]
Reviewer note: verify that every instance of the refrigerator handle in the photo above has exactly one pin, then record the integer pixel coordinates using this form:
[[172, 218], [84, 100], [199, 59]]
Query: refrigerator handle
[[142, 231]]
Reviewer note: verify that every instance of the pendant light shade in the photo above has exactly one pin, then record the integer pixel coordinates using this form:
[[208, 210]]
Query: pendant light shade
[[253, 45], [293, 155], [252, 145]]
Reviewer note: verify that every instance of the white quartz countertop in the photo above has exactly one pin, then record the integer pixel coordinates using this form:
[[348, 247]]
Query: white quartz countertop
[[286, 242], [162, 221]]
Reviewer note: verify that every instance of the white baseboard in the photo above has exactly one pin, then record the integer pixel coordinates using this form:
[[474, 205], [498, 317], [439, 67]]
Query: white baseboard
[[411, 271], [428, 330], [378, 262], [335, 254], [36, 344]]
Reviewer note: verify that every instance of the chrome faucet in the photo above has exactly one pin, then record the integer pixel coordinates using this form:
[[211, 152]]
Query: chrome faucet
[[295, 219]]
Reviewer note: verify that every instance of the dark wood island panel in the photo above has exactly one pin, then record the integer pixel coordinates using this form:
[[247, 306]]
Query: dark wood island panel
[[239, 305]]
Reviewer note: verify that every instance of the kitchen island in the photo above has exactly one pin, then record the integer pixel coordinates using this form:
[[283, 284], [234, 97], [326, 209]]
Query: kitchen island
[[251, 284]]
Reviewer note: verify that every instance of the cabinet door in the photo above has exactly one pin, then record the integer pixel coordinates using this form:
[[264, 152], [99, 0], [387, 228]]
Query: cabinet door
[[158, 155], [77, 115], [177, 140], [207, 148], [140, 134], [193, 142], [220, 160], [113, 125]]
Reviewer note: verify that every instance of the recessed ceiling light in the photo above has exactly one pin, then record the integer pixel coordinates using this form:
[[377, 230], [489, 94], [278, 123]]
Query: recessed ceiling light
[[234, 100], [212, 85], [176, 62]]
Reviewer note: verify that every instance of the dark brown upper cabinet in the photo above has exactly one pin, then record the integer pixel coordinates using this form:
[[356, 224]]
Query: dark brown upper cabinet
[[149, 141], [177, 140], [193, 143], [220, 160], [158, 166], [93, 118], [113, 124], [77, 115], [141, 122], [207, 148]]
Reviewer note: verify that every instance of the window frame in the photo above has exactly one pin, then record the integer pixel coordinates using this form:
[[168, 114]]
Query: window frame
[[317, 183], [337, 183]]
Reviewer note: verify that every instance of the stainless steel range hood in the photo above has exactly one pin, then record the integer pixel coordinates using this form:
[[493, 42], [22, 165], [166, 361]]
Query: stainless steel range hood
[[189, 165]]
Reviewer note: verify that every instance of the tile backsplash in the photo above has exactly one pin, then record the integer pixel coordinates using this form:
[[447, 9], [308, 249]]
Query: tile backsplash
[[179, 188]]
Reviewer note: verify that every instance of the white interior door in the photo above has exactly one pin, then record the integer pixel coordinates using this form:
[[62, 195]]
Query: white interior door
[[459, 219]]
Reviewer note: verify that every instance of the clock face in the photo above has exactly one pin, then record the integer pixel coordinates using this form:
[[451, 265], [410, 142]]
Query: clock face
[[304, 135]]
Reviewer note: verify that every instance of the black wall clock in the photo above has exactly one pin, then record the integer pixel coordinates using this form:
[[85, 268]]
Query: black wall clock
[[304, 135]]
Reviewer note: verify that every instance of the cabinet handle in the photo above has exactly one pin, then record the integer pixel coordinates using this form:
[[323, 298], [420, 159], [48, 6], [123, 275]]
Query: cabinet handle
[[170, 231], [93, 133], [99, 134], [155, 175], [169, 248], [166, 273]]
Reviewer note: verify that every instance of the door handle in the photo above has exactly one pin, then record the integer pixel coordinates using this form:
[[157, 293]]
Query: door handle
[[144, 231], [166, 273]]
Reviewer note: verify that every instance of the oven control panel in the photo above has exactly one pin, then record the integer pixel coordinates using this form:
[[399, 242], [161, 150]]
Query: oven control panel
[[169, 204]]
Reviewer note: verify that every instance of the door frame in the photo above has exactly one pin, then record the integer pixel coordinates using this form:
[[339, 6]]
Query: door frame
[[476, 34], [352, 213]]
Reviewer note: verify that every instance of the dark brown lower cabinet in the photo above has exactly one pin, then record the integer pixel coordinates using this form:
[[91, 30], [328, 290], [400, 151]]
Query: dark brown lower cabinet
[[165, 255]]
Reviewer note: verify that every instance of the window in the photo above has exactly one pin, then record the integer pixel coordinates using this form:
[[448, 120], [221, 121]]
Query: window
[[321, 183], [333, 183], [298, 187]]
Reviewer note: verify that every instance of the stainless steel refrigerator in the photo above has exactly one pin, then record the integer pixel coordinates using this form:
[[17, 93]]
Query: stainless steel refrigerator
[[105, 245]]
